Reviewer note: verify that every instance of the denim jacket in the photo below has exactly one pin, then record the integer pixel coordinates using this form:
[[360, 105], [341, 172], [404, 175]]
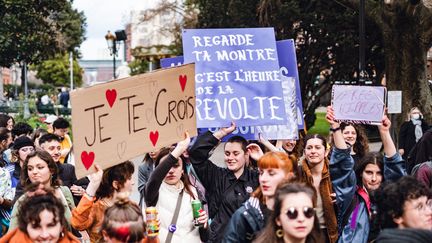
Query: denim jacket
[[344, 182]]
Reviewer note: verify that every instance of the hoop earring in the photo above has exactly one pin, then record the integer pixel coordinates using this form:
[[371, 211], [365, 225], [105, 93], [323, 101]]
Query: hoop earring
[[279, 233]]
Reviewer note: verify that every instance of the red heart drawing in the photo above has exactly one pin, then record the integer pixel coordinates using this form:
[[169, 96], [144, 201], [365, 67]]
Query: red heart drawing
[[111, 95], [154, 136], [87, 159], [182, 80]]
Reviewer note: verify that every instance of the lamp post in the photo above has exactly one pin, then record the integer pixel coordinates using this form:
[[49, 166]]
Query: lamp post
[[112, 46]]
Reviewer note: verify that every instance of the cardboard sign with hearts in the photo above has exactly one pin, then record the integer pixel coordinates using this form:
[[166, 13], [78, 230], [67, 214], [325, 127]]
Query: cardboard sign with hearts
[[120, 120]]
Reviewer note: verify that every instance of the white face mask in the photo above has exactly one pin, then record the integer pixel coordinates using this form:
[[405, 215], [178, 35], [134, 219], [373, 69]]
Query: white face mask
[[415, 116]]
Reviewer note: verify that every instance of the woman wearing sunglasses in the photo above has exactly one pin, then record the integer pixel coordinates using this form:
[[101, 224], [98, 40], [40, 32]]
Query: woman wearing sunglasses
[[249, 219], [294, 219]]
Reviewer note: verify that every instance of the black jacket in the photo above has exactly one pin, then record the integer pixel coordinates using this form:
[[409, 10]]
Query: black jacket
[[407, 138], [225, 193]]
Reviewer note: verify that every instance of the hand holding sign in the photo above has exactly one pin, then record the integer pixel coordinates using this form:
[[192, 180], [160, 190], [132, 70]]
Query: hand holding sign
[[119, 120]]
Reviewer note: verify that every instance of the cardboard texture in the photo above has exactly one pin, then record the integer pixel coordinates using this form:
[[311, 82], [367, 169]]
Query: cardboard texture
[[122, 119]]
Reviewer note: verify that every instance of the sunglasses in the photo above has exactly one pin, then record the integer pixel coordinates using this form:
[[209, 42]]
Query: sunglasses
[[293, 213]]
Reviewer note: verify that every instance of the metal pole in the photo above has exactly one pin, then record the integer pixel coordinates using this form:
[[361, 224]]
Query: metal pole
[[26, 104], [71, 70], [114, 58], [362, 71]]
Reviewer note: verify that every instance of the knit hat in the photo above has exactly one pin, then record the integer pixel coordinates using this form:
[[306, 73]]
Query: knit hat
[[22, 141]]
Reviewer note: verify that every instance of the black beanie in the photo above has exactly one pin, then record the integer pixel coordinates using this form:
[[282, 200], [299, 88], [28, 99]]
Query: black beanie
[[22, 141]]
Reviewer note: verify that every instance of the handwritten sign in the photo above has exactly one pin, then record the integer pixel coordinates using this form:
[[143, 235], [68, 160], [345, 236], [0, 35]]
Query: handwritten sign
[[120, 120], [359, 104], [394, 102], [237, 76]]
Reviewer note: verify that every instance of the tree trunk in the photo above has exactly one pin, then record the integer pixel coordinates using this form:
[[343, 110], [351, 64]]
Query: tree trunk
[[406, 60]]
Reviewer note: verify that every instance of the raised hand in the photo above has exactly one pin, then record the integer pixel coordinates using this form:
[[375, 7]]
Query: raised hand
[[223, 131], [181, 145], [254, 151], [385, 124], [95, 180], [330, 117]]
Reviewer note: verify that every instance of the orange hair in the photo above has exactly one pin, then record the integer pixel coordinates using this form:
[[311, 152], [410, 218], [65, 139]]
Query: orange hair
[[277, 160]]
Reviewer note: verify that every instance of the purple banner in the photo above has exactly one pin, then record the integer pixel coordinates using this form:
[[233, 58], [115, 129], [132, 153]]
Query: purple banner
[[237, 76]]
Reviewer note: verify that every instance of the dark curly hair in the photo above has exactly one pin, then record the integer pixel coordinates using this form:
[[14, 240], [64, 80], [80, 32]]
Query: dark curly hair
[[4, 119], [52, 166], [361, 146], [32, 206], [21, 128], [391, 197], [120, 173]]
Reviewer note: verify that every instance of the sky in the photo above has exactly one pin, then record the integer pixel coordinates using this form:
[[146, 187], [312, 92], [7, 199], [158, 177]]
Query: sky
[[104, 15]]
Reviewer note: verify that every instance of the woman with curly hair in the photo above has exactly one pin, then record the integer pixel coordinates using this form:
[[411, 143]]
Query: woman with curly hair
[[40, 219], [355, 136]]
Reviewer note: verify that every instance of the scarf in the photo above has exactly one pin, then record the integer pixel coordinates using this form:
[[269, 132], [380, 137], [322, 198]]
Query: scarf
[[418, 129]]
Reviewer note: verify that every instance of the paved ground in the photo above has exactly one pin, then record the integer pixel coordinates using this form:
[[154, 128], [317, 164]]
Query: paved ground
[[217, 157]]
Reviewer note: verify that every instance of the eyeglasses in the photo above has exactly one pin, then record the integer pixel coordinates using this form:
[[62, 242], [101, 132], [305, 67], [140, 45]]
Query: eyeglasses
[[292, 213], [31, 149]]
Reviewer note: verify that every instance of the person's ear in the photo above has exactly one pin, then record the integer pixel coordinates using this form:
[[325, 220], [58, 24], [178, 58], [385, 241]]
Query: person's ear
[[327, 152], [289, 175], [398, 220], [115, 185], [105, 235], [278, 221]]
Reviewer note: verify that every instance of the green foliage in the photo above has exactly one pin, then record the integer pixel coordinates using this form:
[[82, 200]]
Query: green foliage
[[321, 125], [56, 71], [33, 31], [138, 66]]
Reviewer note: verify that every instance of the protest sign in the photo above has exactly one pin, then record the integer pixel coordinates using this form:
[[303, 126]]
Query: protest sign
[[237, 76], [394, 102], [358, 104], [288, 64], [171, 62], [120, 120]]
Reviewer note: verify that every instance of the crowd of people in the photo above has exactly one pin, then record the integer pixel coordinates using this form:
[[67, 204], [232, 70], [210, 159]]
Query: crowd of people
[[314, 189]]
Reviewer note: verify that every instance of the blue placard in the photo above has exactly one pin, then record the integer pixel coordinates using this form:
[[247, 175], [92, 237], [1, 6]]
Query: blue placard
[[237, 76], [288, 59], [171, 62]]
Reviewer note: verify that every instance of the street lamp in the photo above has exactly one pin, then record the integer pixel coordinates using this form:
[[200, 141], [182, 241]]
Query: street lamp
[[113, 45]]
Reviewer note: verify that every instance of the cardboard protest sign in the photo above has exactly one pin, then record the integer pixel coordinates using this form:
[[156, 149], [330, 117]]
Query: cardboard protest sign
[[237, 76], [120, 120], [358, 104]]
